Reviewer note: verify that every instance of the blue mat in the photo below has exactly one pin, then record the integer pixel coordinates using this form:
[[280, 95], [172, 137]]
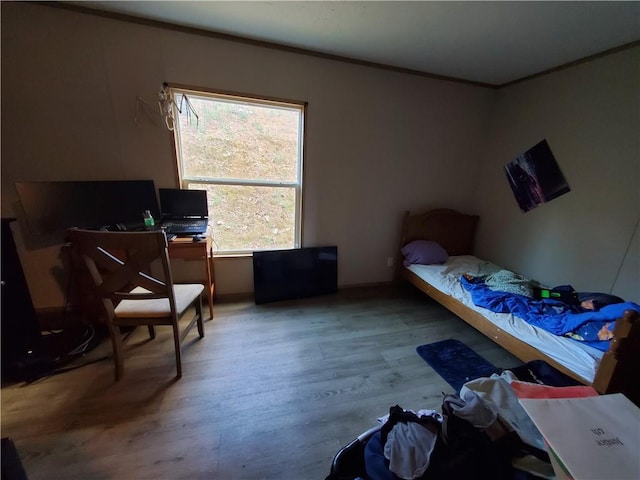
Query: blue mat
[[455, 362]]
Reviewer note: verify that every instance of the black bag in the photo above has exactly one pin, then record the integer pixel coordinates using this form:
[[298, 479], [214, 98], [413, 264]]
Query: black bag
[[464, 451], [461, 450]]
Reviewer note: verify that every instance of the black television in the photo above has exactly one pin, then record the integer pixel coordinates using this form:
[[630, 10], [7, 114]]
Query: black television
[[52, 207], [294, 273]]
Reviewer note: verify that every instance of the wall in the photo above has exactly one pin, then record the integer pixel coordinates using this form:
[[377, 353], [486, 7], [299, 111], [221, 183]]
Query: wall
[[377, 142], [590, 116]]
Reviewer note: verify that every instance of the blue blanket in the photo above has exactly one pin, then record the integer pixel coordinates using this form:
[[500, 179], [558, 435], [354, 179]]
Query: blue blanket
[[550, 315]]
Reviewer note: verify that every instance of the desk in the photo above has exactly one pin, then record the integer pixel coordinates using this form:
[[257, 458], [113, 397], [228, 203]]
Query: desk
[[187, 249]]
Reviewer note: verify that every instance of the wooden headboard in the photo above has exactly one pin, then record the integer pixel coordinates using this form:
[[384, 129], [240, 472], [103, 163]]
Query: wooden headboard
[[453, 230]]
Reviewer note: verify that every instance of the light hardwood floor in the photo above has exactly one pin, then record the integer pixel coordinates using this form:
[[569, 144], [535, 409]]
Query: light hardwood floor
[[271, 392]]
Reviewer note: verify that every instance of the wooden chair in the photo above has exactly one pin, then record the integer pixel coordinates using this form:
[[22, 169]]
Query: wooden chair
[[118, 266]]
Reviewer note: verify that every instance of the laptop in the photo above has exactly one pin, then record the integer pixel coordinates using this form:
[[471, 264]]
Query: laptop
[[184, 212]]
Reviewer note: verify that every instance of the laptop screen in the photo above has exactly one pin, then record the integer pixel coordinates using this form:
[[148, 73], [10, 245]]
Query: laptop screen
[[177, 203]]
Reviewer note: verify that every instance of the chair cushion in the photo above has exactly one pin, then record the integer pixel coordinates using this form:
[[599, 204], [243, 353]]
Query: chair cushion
[[185, 295]]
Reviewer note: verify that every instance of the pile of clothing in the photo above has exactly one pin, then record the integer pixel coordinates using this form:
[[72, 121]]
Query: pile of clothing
[[481, 433]]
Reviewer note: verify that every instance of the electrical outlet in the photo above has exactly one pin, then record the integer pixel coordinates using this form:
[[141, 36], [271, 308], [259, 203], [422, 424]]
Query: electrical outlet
[[389, 261]]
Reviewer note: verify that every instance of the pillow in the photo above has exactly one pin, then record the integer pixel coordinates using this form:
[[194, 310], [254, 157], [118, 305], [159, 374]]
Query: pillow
[[424, 252]]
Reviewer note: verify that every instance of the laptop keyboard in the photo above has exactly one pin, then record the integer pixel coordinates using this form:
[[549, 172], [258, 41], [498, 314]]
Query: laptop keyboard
[[185, 226]]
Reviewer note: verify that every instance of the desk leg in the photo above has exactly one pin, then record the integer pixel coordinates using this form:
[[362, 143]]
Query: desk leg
[[210, 285]]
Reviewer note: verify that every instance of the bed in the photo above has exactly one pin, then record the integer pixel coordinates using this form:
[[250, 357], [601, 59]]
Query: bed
[[615, 370]]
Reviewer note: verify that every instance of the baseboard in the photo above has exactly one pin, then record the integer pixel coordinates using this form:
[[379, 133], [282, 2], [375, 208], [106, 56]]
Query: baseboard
[[248, 296], [233, 297], [367, 285]]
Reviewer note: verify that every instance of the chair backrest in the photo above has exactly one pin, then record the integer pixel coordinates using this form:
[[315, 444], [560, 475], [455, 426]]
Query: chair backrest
[[117, 262]]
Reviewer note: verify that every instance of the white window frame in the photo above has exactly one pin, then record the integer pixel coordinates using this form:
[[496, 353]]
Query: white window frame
[[185, 180]]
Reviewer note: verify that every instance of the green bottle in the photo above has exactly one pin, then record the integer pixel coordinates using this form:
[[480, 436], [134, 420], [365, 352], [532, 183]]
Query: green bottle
[[148, 220]]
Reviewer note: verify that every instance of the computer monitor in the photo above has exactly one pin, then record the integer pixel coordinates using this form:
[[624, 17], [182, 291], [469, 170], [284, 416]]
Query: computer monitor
[[52, 207], [180, 203]]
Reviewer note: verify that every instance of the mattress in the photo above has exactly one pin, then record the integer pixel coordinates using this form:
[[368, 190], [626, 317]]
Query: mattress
[[577, 357]]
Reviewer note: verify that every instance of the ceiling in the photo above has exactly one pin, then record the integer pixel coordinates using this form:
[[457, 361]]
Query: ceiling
[[487, 42]]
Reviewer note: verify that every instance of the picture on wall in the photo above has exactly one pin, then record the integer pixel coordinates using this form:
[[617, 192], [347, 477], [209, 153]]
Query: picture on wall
[[535, 177]]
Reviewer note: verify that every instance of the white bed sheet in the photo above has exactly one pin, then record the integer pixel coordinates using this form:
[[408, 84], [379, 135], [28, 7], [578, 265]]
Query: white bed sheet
[[579, 358]]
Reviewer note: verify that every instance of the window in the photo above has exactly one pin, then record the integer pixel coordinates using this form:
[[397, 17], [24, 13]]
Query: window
[[247, 154]]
